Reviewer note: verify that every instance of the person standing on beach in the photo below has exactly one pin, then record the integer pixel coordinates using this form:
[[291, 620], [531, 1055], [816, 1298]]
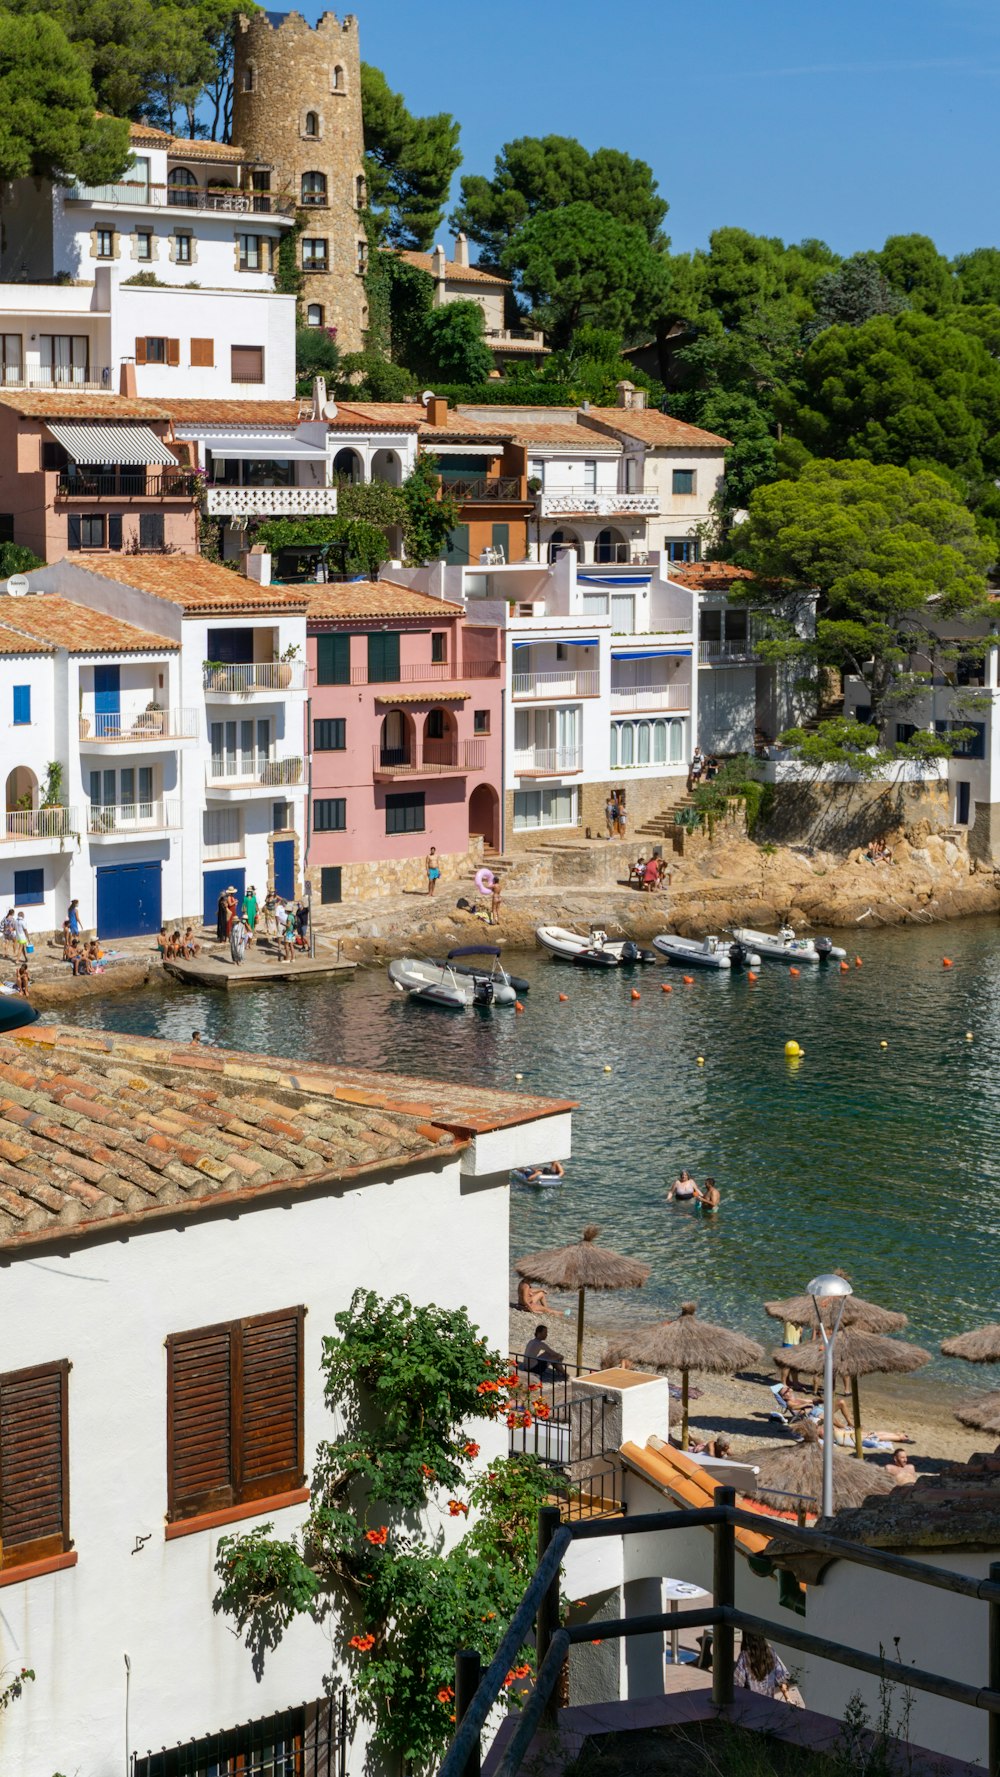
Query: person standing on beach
[[611, 813], [495, 892], [433, 869], [622, 816], [250, 908]]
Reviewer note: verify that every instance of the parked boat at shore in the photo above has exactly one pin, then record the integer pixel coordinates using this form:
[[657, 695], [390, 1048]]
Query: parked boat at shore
[[781, 947], [594, 950], [440, 984], [517, 981], [706, 953]]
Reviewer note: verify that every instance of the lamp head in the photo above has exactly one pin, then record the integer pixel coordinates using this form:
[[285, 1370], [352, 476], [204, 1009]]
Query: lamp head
[[829, 1283]]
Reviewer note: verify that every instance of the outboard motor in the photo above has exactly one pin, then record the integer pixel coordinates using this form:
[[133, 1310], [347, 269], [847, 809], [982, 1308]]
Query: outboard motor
[[482, 993], [823, 945], [630, 952], [738, 954]]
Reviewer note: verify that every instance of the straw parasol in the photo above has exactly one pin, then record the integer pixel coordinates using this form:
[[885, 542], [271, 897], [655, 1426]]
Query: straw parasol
[[983, 1414], [981, 1346], [798, 1469], [858, 1354], [686, 1344], [868, 1317], [582, 1267]]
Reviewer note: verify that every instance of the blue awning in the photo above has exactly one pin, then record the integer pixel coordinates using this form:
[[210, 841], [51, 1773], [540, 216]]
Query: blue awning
[[650, 653], [611, 580], [564, 642]]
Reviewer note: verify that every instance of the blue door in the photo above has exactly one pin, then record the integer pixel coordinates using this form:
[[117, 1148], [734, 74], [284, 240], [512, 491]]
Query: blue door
[[129, 900], [215, 882], [107, 701], [284, 868]]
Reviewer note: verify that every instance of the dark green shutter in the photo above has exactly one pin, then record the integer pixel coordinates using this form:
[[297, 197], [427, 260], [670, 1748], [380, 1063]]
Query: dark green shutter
[[501, 539], [457, 547], [333, 660], [383, 657], [114, 530]]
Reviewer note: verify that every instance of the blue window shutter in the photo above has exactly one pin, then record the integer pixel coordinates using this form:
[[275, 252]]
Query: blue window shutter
[[114, 530], [29, 887], [73, 531], [22, 705]]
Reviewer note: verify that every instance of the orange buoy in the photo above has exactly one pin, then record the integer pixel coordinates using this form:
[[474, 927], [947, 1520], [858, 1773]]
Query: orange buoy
[[845, 968], [635, 994], [564, 996], [665, 987], [750, 975], [858, 964], [689, 980], [795, 972], [947, 962], [518, 1006]]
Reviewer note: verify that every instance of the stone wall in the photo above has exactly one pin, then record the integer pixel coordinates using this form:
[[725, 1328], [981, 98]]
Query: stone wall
[[645, 799], [984, 835], [842, 816], [392, 876]]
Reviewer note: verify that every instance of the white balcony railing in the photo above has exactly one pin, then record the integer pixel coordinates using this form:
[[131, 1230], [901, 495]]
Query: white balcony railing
[[243, 681], [547, 761], [556, 684], [600, 505], [267, 502], [139, 726], [730, 649], [253, 768], [651, 697], [141, 818], [39, 823]]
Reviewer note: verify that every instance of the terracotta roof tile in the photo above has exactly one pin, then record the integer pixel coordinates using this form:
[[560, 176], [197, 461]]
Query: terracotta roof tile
[[652, 427], [373, 598], [144, 132], [11, 642], [235, 413], [581, 438], [411, 416], [455, 273], [706, 576], [62, 624], [56, 404], [191, 582], [183, 148], [104, 1129], [674, 1473]]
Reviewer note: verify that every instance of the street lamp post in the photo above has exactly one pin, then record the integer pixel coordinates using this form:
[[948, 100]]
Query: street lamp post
[[828, 1284]]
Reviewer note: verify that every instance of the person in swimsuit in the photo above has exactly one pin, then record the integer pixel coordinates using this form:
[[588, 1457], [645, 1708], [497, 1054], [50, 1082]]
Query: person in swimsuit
[[433, 869], [683, 1189], [709, 1197]]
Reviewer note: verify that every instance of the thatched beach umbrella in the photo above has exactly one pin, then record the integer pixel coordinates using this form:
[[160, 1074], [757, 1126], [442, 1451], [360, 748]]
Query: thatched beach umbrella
[[686, 1344], [797, 1469], [981, 1346], [858, 1354], [868, 1317], [982, 1414], [583, 1266]]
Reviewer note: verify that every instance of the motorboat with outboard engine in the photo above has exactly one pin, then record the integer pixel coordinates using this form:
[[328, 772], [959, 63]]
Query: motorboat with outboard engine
[[706, 953], [517, 981], [783, 946], [593, 951], [440, 984]]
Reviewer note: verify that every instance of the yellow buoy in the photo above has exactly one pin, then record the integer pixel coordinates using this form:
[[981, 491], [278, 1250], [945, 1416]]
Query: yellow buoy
[[700, 1060], [792, 1048], [607, 1070], [883, 1044], [519, 1076], [968, 1036]]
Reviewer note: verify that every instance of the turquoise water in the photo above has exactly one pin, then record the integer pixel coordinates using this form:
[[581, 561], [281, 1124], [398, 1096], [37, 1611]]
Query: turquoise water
[[884, 1162]]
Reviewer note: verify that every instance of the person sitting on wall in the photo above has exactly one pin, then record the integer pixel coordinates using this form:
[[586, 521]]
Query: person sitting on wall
[[540, 1359]]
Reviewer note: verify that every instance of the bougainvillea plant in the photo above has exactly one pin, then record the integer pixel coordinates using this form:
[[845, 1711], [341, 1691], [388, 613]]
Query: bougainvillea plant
[[407, 1384]]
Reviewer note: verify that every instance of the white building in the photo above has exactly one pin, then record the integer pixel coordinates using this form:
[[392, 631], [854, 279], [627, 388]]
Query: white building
[[744, 701], [219, 1210], [185, 763]]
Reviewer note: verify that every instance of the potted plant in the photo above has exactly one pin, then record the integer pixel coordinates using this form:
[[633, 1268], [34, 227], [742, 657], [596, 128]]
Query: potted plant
[[216, 673], [284, 665]]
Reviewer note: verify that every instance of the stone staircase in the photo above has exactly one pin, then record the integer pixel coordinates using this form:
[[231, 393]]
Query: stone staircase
[[662, 826]]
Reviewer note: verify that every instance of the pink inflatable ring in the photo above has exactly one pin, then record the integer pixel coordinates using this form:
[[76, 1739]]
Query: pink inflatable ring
[[484, 881]]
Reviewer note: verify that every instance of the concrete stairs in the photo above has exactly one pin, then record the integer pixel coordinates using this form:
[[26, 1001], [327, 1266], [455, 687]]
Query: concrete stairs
[[661, 826]]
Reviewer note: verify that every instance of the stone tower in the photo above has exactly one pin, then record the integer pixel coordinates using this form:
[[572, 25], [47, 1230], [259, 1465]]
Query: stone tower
[[297, 109]]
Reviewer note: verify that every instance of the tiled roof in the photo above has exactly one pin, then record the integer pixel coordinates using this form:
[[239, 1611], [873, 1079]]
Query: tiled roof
[[392, 416], [706, 576], [652, 427], [54, 404], [235, 413], [13, 643], [191, 582], [63, 624], [673, 1472], [579, 438], [455, 273], [182, 148], [373, 598], [960, 1506], [434, 696], [99, 1130], [144, 132]]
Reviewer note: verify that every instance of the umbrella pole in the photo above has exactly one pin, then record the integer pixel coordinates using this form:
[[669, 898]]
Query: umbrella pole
[[856, 1405], [579, 1334], [684, 1409]]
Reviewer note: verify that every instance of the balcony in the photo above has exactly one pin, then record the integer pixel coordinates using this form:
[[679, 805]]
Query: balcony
[[60, 376], [435, 758], [565, 684], [470, 491], [269, 502], [600, 505], [128, 820], [33, 830], [432, 672], [547, 761], [237, 684], [714, 653], [128, 484], [247, 774], [139, 728], [650, 697], [140, 195]]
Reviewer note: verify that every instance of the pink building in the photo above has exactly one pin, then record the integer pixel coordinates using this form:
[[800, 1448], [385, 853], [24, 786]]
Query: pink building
[[405, 698]]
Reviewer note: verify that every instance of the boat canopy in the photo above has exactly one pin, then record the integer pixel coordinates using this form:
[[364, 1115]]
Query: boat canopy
[[474, 950]]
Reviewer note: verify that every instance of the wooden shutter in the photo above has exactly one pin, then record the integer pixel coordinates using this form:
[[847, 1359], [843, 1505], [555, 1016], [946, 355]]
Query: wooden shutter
[[74, 536], [202, 353], [114, 530], [34, 1463], [199, 1421], [173, 351], [270, 1408], [140, 351], [333, 659]]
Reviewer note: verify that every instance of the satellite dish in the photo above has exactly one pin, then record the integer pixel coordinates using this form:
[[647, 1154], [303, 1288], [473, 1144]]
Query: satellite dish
[[428, 395], [330, 410], [18, 586]]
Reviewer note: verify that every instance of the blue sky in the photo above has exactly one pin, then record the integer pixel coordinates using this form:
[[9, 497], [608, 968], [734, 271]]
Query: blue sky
[[849, 121]]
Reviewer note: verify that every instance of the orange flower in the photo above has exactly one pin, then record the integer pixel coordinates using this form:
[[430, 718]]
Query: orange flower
[[521, 1671], [512, 1420], [445, 1694], [428, 1473], [487, 1387], [508, 1681], [532, 1386], [471, 1450], [526, 1420], [456, 1508], [363, 1643], [542, 1410], [378, 1536]]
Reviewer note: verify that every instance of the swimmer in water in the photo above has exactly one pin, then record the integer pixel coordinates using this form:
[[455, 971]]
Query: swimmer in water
[[709, 1197], [683, 1189]]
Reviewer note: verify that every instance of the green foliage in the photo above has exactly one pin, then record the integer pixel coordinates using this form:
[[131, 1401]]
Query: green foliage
[[736, 778], [376, 501], [591, 366], [578, 264], [410, 304], [839, 741], [978, 276], [430, 513], [369, 377], [353, 544], [408, 1385], [15, 559], [289, 279], [12, 1690], [48, 128], [317, 352], [410, 163], [853, 294], [535, 175], [914, 267], [452, 343]]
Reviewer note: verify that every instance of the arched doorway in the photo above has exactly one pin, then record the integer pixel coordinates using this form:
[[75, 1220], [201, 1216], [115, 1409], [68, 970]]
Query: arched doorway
[[22, 789], [395, 739], [610, 546], [563, 540], [484, 815], [347, 466], [182, 188], [386, 466]]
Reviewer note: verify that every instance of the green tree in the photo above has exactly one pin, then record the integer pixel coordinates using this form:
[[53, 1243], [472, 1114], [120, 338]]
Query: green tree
[[591, 367], [579, 264], [978, 275], [430, 515], [317, 352], [410, 302], [15, 559], [886, 553], [352, 545], [410, 163], [48, 128], [852, 294], [536, 174], [452, 344], [915, 268], [367, 376]]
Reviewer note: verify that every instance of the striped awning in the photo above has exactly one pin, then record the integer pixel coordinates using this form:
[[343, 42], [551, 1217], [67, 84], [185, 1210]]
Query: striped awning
[[118, 443]]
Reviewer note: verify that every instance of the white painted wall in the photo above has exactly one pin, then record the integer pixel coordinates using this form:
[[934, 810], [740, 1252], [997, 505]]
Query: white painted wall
[[245, 316], [682, 513]]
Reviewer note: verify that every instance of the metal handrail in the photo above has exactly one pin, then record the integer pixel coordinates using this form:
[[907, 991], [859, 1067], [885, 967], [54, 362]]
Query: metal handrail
[[127, 484], [140, 194], [484, 487]]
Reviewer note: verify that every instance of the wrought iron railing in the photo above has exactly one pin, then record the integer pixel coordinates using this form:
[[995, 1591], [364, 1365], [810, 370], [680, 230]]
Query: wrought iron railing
[[127, 484], [39, 823], [484, 487], [429, 758], [309, 1741], [57, 376], [242, 681], [431, 672]]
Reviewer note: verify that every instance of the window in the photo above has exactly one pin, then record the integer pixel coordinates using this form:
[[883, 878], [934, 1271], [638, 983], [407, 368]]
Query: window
[[333, 660], [313, 254], [682, 548], [434, 726], [404, 813], [974, 747], [590, 478], [63, 358], [536, 472], [306, 1738], [314, 314], [7, 527], [85, 530], [545, 808], [905, 731], [330, 885], [480, 721], [362, 257], [330, 815], [383, 657], [360, 192], [659, 742], [182, 249], [22, 705], [251, 254], [439, 647], [29, 891], [247, 364], [329, 734], [143, 244], [683, 481], [182, 188], [313, 188], [10, 357], [311, 124], [104, 242], [222, 833], [157, 351], [151, 530], [34, 1455], [337, 83], [202, 354], [234, 1412], [249, 78]]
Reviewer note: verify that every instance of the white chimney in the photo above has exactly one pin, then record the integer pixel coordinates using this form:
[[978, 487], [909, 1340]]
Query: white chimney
[[625, 394], [319, 397], [438, 263], [461, 249]]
